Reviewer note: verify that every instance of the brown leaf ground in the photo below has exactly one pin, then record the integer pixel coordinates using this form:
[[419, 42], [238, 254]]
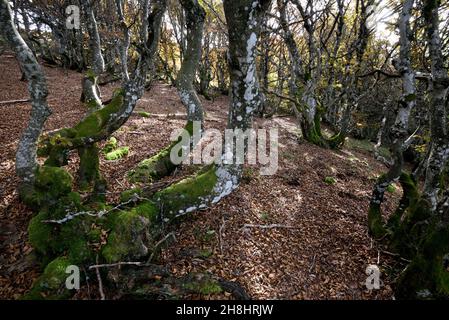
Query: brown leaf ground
[[323, 255]]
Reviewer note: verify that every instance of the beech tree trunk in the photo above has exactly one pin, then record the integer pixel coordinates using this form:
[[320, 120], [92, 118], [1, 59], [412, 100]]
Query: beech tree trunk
[[26, 163], [399, 131]]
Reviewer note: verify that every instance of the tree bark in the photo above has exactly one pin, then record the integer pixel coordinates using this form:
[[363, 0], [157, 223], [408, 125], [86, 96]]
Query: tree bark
[[26, 163], [399, 131]]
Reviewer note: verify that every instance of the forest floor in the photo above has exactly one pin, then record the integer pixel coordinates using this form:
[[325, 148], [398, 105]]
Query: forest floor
[[322, 255]]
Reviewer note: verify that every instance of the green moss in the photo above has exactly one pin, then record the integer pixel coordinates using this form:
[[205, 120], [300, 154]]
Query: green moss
[[129, 236], [427, 276], [94, 123], [40, 234], [51, 240], [144, 114], [129, 194], [158, 166], [205, 286], [117, 154], [79, 251], [51, 284], [90, 74], [53, 180], [337, 141], [89, 169], [51, 184], [186, 194], [154, 168], [330, 180], [375, 222], [148, 210], [206, 253], [391, 188], [110, 146]]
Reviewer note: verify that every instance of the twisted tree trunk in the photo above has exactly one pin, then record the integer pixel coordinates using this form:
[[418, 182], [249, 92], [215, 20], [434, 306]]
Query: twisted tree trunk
[[91, 93], [161, 164], [26, 163], [399, 131]]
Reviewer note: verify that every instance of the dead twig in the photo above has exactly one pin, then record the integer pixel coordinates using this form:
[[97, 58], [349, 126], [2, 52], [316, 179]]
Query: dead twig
[[159, 244], [118, 264], [14, 101], [100, 282], [220, 235], [313, 264]]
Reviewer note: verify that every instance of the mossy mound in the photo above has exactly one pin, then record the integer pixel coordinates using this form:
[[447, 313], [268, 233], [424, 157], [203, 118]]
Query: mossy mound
[[51, 284], [110, 146], [144, 114], [130, 234], [117, 154], [51, 184], [127, 195], [202, 284]]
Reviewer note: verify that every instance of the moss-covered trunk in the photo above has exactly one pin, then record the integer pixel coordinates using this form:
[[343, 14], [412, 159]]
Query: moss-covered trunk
[[161, 165]]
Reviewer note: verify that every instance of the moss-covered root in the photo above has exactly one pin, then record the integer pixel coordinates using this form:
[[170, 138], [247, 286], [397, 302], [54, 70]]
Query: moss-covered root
[[154, 168], [51, 284], [427, 277], [313, 134], [160, 165], [198, 192], [137, 283]]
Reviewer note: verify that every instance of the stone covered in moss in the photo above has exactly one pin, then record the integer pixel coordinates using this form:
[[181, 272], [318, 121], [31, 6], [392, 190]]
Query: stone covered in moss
[[130, 235], [51, 284], [127, 195]]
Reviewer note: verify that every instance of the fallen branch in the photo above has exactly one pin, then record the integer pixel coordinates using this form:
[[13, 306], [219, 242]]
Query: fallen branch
[[14, 101], [100, 282], [118, 264], [71, 216]]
